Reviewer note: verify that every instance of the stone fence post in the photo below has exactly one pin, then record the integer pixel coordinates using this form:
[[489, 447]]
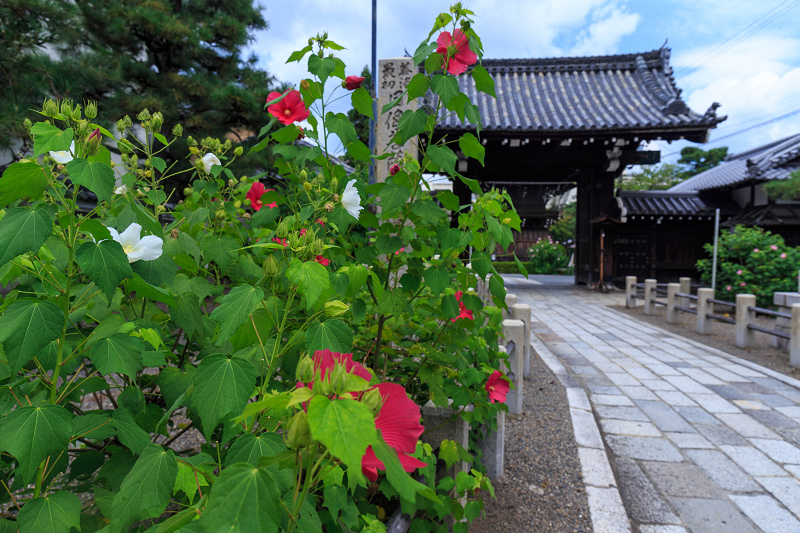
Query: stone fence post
[[794, 342], [523, 312], [514, 331], [705, 325], [511, 300], [672, 301], [744, 317], [649, 294], [686, 288], [630, 291]]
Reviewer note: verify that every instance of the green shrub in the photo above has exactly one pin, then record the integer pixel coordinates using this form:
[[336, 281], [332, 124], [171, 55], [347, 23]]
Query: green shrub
[[548, 257]]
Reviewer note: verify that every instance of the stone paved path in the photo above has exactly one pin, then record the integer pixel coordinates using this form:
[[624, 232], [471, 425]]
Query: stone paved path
[[698, 440]]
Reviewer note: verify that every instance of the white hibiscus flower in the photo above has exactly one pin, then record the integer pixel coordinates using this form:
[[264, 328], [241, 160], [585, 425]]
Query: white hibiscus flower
[[63, 157], [119, 187], [145, 248], [209, 160], [351, 201]]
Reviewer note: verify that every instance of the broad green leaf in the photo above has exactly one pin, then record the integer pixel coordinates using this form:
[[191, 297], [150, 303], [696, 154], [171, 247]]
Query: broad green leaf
[[96, 229], [105, 263], [234, 309], [393, 195], [418, 85], [160, 271], [321, 67], [472, 147], [520, 266], [443, 157], [250, 448], [411, 124], [448, 237], [450, 307], [340, 281], [345, 427], [406, 486], [23, 230], [49, 138], [393, 302], [94, 426], [388, 244], [222, 387], [473, 114], [448, 200], [219, 248], [438, 279], [498, 290], [445, 86], [245, 499], [297, 55], [129, 432], [286, 134], [339, 124], [483, 80], [121, 354], [358, 150], [145, 290], [423, 51], [428, 210], [434, 62], [30, 434], [22, 180], [333, 334], [410, 282], [26, 328], [392, 104], [311, 279], [58, 512], [146, 489], [189, 478], [95, 176], [146, 218], [362, 102], [482, 264]]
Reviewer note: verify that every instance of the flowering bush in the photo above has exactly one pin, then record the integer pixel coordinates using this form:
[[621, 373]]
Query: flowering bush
[[751, 261], [282, 326], [548, 257]]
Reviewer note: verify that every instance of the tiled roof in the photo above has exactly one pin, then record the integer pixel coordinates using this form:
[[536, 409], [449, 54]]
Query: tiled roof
[[617, 93], [772, 214], [773, 161], [659, 203]]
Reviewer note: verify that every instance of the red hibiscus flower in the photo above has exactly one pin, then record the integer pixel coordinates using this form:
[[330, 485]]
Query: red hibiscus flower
[[394, 169], [456, 52], [465, 313], [282, 242], [289, 110], [351, 83], [321, 222], [255, 193], [322, 260], [325, 360], [497, 386], [398, 421]]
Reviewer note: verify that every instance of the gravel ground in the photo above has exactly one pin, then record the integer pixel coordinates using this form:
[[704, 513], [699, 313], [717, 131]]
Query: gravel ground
[[542, 489]]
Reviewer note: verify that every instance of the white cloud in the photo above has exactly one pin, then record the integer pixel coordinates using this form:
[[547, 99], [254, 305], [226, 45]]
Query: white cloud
[[605, 33]]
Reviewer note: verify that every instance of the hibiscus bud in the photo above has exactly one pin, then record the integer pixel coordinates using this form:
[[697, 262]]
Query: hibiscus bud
[[283, 230], [231, 183], [91, 110], [27, 123], [334, 183], [305, 370], [307, 186], [310, 41], [373, 400], [335, 308], [247, 202], [128, 121], [148, 173], [227, 144], [195, 151], [238, 151], [177, 130], [93, 143], [237, 204], [329, 207], [271, 269], [174, 233], [190, 141], [298, 434], [120, 125], [351, 83], [394, 169], [157, 122], [124, 146], [66, 108], [303, 176], [124, 157], [220, 214], [318, 248], [50, 108], [305, 85], [143, 116], [83, 128], [188, 191], [160, 209]]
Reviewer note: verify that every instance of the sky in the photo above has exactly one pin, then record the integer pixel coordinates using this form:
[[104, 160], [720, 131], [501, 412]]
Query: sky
[[744, 54]]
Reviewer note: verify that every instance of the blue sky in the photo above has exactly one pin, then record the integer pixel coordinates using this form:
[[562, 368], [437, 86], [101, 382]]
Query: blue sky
[[744, 54]]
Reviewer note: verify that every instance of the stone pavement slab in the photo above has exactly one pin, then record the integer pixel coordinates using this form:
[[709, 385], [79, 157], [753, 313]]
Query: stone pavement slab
[[694, 439]]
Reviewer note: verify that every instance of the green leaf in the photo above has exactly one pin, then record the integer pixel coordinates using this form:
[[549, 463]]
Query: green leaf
[[31, 434], [450, 307], [422, 52], [411, 123], [438, 279], [472, 147], [482, 263], [146, 489], [428, 210], [234, 309], [388, 244], [55, 513], [159, 271], [362, 102], [406, 486], [520, 266], [158, 163], [219, 248], [345, 427], [483, 80], [22, 180], [297, 55], [340, 281], [96, 229], [95, 176], [26, 327], [222, 387], [23, 230], [332, 334], [311, 279], [94, 426], [498, 290], [358, 150], [145, 218], [121, 354], [418, 86], [393, 103], [393, 302], [322, 67], [339, 124], [145, 290], [434, 62], [250, 448], [473, 185], [393, 195], [445, 86], [245, 499], [105, 263], [130, 434], [443, 157], [49, 138]]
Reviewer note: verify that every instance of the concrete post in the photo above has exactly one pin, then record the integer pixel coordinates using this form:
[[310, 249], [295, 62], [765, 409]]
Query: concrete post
[[493, 449], [445, 426], [686, 288], [630, 291], [705, 326], [672, 301], [523, 312], [511, 300], [649, 294], [744, 316], [794, 342], [514, 330]]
